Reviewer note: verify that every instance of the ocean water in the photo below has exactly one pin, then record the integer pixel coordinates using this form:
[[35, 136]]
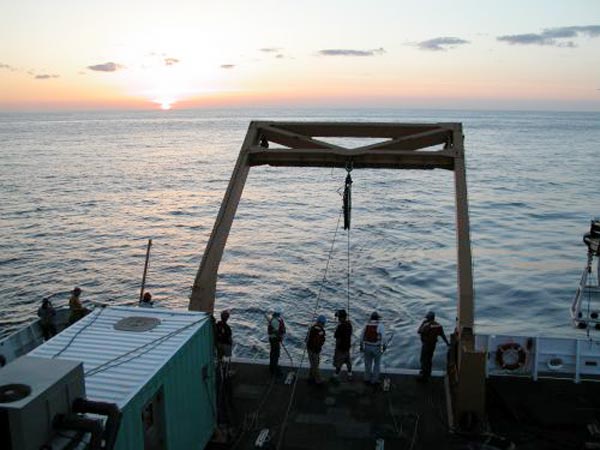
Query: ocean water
[[81, 193]]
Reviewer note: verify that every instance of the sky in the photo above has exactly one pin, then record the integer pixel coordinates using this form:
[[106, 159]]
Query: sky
[[474, 54]]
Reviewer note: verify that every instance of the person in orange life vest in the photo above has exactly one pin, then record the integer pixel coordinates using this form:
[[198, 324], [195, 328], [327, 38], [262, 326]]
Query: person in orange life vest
[[429, 331], [343, 343], [223, 336], [276, 331], [371, 343], [314, 344], [76, 307]]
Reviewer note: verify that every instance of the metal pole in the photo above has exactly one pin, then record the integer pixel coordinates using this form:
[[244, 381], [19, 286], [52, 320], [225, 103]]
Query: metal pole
[[145, 269]]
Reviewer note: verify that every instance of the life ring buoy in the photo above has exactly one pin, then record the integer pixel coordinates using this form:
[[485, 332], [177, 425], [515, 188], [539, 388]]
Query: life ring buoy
[[511, 356]]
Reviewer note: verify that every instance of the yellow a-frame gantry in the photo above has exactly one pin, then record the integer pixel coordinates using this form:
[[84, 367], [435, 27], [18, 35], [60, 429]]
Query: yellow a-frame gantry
[[402, 147]]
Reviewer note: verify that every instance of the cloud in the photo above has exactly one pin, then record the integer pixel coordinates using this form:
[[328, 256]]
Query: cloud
[[276, 51], [7, 67], [569, 32], [351, 52], [552, 36], [46, 76], [440, 44], [227, 66], [106, 67], [171, 61], [524, 39]]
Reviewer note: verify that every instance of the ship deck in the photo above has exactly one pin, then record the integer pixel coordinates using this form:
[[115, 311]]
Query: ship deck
[[548, 414]]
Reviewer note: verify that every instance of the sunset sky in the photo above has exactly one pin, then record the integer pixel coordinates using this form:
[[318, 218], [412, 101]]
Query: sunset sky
[[76, 54]]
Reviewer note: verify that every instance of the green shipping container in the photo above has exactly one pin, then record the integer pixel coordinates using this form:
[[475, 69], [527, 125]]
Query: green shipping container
[[156, 364]]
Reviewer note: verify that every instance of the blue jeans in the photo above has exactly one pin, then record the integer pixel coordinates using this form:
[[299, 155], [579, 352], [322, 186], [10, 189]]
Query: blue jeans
[[372, 363]]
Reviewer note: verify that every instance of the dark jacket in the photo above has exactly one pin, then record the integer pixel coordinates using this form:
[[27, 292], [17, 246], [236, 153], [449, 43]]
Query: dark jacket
[[343, 336], [429, 331], [223, 332], [316, 338], [46, 312]]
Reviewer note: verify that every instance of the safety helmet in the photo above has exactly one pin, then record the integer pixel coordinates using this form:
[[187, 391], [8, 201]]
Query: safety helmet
[[375, 315], [321, 319], [225, 314], [430, 315]]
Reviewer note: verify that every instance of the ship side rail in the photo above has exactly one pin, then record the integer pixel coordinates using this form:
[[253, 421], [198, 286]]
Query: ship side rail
[[28, 337], [538, 357]]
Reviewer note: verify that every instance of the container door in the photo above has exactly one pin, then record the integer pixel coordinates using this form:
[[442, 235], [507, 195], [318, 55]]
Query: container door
[[153, 422]]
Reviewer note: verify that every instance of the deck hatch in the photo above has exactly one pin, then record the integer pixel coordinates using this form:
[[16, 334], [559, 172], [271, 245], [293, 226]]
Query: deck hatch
[[137, 324]]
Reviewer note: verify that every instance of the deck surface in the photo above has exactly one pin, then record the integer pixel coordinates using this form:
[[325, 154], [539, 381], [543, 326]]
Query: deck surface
[[348, 415], [544, 414], [547, 414]]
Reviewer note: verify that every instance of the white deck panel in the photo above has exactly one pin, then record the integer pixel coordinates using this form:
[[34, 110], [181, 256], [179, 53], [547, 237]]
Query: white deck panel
[[134, 356]]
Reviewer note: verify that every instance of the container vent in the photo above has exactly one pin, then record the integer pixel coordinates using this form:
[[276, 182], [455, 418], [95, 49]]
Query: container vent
[[137, 323], [13, 392]]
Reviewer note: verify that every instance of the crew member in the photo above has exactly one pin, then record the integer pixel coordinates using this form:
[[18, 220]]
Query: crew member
[[46, 313], [343, 341], [75, 306], [371, 343], [223, 337], [276, 331], [146, 301], [314, 344], [429, 331]]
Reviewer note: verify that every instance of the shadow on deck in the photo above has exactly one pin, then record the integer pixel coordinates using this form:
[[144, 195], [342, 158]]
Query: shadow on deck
[[545, 414]]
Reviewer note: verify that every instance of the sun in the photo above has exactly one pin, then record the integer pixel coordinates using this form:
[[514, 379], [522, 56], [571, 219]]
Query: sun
[[165, 105]]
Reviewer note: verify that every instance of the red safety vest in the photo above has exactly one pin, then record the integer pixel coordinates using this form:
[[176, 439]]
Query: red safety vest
[[371, 335]]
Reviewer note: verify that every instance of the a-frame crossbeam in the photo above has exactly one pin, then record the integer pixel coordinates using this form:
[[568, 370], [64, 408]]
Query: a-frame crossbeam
[[291, 139], [359, 159], [414, 141], [397, 151], [383, 130]]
